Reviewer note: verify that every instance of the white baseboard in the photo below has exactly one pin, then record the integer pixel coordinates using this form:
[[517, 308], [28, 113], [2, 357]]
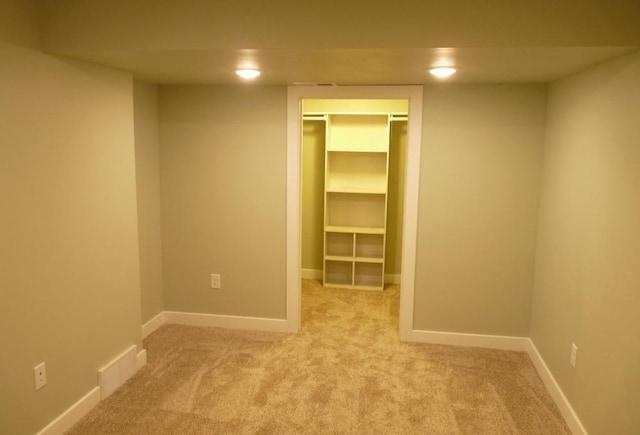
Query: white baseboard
[[507, 343], [470, 340], [392, 278], [153, 324], [141, 359], [121, 368], [310, 274], [555, 391], [110, 377], [231, 322], [74, 414]]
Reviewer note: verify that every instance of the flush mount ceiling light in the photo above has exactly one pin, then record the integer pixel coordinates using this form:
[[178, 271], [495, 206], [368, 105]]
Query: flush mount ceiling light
[[442, 72], [248, 74]]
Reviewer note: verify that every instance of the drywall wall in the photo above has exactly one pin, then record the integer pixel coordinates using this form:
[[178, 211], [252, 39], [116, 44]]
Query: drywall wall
[[395, 197], [312, 212], [355, 105], [587, 275], [82, 25], [223, 174], [69, 269], [479, 183], [145, 116]]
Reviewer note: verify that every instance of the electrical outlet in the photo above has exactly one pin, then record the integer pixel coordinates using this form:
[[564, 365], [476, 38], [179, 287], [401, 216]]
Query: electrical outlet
[[40, 375], [215, 280], [574, 355]]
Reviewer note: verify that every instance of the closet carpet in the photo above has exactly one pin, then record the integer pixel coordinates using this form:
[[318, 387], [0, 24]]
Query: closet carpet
[[345, 373]]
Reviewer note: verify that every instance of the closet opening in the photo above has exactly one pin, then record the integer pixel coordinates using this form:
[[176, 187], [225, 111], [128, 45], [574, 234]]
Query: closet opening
[[353, 168], [352, 178]]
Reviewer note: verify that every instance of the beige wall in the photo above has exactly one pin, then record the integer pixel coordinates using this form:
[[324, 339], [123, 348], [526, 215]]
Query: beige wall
[[481, 153], [223, 173], [312, 212], [587, 276], [115, 25], [69, 280], [369, 105], [478, 208], [145, 115], [395, 198]]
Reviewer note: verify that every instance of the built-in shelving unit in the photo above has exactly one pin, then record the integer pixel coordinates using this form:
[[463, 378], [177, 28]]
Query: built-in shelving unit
[[355, 203]]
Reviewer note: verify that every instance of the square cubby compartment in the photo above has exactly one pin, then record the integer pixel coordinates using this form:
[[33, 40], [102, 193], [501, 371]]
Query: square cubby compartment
[[370, 246], [339, 244], [338, 272], [369, 275]]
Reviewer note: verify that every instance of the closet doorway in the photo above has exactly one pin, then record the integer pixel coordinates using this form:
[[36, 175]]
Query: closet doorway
[[391, 251]]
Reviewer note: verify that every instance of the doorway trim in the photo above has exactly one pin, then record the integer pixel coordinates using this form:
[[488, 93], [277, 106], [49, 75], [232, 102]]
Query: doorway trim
[[295, 95]]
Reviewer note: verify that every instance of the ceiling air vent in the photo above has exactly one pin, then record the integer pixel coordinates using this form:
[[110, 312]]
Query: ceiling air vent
[[313, 84]]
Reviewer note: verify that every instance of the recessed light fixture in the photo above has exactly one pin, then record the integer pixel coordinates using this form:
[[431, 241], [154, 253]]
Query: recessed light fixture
[[248, 74], [442, 72]]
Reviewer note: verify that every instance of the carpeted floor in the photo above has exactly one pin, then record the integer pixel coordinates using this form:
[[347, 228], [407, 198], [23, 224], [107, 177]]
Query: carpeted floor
[[345, 372]]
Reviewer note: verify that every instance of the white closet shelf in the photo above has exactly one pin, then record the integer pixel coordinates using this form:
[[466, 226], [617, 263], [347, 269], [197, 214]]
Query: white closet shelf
[[360, 148], [359, 230], [351, 189], [368, 260], [338, 258]]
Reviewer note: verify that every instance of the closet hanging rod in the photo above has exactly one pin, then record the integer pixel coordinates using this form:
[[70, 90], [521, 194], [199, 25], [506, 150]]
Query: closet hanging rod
[[399, 117], [314, 116]]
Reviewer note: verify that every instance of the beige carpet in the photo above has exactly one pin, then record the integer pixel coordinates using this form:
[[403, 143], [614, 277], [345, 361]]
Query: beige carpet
[[345, 372]]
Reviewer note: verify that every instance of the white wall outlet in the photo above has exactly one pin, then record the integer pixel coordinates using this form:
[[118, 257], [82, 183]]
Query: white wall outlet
[[215, 280], [574, 355], [40, 375]]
